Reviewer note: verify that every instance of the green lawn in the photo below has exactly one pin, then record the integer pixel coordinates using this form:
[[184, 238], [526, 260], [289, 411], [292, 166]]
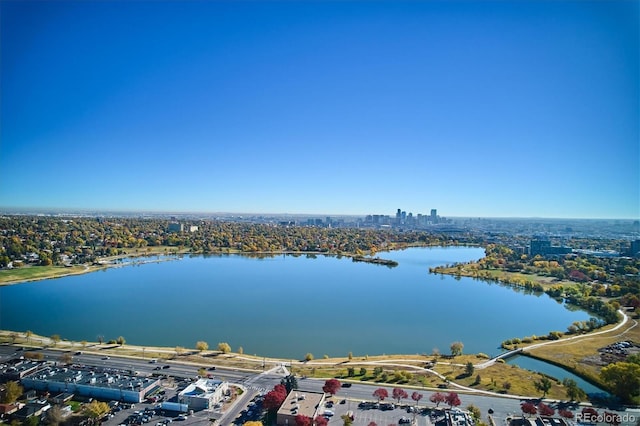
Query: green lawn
[[28, 273]]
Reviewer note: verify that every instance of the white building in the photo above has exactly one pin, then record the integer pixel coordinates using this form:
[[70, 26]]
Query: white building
[[203, 394]]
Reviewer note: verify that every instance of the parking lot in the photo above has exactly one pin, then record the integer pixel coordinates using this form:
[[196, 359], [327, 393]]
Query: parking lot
[[381, 414]]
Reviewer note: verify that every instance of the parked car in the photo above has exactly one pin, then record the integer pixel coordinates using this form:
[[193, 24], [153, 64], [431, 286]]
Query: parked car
[[404, 420]]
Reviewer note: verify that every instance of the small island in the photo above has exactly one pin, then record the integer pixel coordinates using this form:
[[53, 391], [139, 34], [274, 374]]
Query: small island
[[376, 261]]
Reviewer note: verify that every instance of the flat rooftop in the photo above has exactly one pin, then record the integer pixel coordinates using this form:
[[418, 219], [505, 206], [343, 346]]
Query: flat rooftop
[[299, 402], [89, 377]]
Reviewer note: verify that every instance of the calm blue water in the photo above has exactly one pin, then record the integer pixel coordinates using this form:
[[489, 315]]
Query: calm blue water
[[553, 371], [287, 306]]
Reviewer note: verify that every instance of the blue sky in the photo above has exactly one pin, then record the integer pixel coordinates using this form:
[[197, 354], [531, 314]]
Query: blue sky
[[512, 109]]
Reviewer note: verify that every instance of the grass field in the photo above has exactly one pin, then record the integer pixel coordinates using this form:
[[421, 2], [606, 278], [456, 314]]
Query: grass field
[[31, 273]]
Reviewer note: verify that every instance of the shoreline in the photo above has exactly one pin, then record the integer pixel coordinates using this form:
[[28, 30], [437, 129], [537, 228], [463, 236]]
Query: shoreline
[[109, 262], [416, 363]]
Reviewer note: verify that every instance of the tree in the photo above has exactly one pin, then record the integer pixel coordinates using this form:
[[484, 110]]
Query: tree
[[274, 398], [200, 345], [545, 410], [437, 398], [12, 392], [350, 356], [120, 341], [574, 393], [65, 358], [543, 385], [624, 379], [363, 371], [55, 338], [452, 399], [347, 420], [96, 409], [224, 347], [456, 348], [100, 338], [528, 408], [399, 394], [469, 368], [475, 412], [308, 356], [302, 420], [416, 397], [565, 413], [240, 350], [55, 416], [589, 415], [331, 386], [320, 421], [290, 382], [381, 394], [28, 335]]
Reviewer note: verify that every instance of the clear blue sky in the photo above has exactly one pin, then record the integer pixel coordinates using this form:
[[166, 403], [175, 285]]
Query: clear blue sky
[[474, 108]]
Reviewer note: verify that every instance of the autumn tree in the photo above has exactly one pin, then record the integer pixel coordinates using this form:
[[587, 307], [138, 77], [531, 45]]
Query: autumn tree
[[302, 420], [399, 394], [624, 378], [416, 396], [381, 394], [308, 357], [224, 347], [456, 348], [12, 392], [452, 399], [200, 345], [545, 410], [529, 408], [65, 358], [96, 409], [331, 386], [565, 413], [320, 421], [274, 398], [437, 398]]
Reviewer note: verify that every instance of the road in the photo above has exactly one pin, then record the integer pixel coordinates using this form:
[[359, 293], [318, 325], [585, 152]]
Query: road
[[256, 383]]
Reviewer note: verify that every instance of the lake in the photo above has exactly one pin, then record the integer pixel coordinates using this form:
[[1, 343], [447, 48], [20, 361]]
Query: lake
[[286, 306]]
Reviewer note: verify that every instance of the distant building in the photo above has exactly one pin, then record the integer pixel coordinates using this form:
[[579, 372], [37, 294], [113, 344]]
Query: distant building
[[299, 403], [543, 247], [634, 249], [193, 228], [175, 227], [203, 394]]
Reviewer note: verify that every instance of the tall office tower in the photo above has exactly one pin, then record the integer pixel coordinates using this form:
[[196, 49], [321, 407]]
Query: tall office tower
[[434, 215]]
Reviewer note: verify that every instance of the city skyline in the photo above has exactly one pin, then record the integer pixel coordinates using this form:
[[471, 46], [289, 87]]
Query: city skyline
[[478, 109]]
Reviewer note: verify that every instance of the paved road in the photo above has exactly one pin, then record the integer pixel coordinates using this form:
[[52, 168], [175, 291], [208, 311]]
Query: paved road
[[260, 383]]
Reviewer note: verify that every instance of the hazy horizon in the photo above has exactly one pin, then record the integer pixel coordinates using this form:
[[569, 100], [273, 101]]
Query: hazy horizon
[[41, 210], [512, 109]]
